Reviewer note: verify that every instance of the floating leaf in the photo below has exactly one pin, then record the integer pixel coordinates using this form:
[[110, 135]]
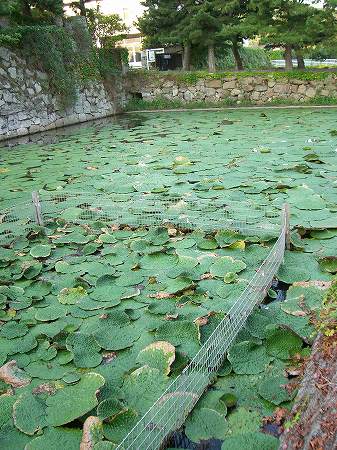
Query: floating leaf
[[182, 333], [226, 264], [70, 296], [40, 251], [329, 264], [273, 390], [159, 355], [29, 413], [281, 342], [71, 402], [85, 349], [56, 438], [248, 357], [204, 424], [251, 441], [142, 386]]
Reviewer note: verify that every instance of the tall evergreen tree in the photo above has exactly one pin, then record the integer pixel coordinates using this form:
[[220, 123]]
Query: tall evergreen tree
[[292, 24], [164, 23], [235, 25]]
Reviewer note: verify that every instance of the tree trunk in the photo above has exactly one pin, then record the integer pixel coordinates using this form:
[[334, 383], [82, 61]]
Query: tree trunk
[[26, 11], [187, 56], [237, 56], [211, 58], [83, 11], [288, 57], [300, 59]]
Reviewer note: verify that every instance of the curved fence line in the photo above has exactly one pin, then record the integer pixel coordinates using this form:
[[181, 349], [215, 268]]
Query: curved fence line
[[144, 210], [170, 411]]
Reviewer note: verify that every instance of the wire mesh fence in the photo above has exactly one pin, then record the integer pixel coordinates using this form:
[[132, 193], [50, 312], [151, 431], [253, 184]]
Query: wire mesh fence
[[144, 210], [170, 411]]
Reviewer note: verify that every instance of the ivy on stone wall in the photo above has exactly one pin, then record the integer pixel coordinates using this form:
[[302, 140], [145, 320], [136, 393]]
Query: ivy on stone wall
[[191, 78], [55, 50]]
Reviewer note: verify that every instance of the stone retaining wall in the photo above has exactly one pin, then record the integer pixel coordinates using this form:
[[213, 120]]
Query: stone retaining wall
[[255, 89], [27, 105]]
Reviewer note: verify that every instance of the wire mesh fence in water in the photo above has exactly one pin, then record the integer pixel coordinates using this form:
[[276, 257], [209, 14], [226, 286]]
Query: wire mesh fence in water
[[170, 411], [144, 210]]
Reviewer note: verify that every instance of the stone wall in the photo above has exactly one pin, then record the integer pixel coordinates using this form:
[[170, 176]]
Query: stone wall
[[27, 105], [237, 89]]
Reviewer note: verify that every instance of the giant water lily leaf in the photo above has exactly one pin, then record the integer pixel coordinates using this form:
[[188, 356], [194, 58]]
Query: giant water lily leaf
[[29, 413], [70, 296], [243, 420], [56, 438], [142, 387], [274, 390], [253, 441], [329, 264], [281, 342], [204, 424], [182, 333], [248, 358], [85, 349], [226, 264], [71, 402], [40, 251], [113, 335], [159, 355], [305, 198], [120, 424]]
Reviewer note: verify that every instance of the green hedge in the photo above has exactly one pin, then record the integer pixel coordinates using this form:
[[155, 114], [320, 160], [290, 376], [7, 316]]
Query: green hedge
[[192, 77], [163, 103]]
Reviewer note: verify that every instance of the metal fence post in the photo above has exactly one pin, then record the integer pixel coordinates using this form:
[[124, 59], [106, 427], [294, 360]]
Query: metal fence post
[[287, 225], [37, 208]]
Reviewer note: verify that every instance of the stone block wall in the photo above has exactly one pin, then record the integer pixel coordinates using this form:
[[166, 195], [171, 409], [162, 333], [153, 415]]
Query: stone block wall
[[255, 89], [27, 106]]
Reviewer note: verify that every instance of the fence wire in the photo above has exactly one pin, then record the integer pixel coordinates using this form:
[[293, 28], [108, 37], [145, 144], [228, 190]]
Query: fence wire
[[170, 411], [144, 210]]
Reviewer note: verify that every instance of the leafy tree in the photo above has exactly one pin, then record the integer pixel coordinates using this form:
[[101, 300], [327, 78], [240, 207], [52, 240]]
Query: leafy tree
[[236, 26], [292, 24], [204, 27], [106, 29], [79, 6], [164, 23], [26, 12]]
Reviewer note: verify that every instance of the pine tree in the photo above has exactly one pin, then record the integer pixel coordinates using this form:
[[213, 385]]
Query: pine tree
[[292, 24], [236, 26]]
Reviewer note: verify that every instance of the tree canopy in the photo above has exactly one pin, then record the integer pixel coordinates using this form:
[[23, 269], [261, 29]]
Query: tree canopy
[[292, 24]]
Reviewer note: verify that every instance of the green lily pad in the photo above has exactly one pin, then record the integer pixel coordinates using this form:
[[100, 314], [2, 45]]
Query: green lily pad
[[158, 355], [281, 342], [56, 438], [29, 413], [40, 251], [273, 390], [329, 264], [204, 424], [248, 357], [70, 296], [251, 441], [71, 402], [182, 333], [85, 349], [226, 264], [142, 387]]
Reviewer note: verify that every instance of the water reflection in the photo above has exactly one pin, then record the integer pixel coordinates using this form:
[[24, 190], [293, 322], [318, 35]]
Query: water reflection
[[124, 121]]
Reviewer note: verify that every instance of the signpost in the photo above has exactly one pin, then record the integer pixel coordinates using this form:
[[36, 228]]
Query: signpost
[[151, 55]]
